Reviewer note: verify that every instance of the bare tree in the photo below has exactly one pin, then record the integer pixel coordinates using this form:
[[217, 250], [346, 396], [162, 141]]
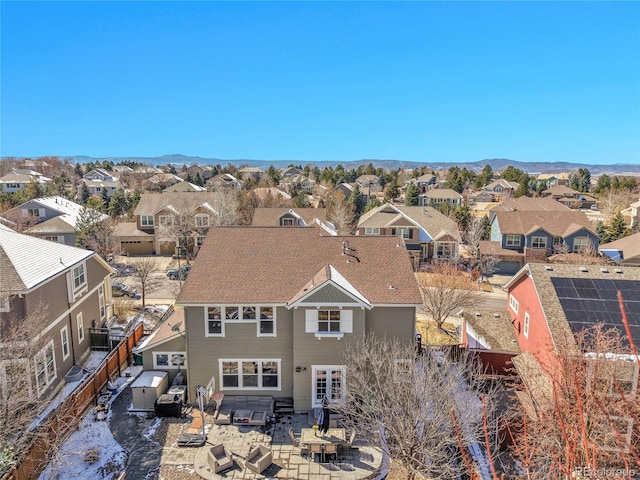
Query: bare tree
[[182, 226], [342, 214], [144, 276], [473, 235], [21, 345], [410, 404], [96, 233], [588, 415], [445, 290], [612, 201], [226, 205], [587, 255]]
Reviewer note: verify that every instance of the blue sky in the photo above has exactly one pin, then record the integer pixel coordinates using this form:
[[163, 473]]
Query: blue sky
[[414, 81]]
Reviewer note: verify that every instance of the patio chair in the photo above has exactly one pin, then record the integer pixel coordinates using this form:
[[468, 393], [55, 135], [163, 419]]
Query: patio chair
[[315, 448], [259, 458], [331, 449], [295, 441], [219, 458]]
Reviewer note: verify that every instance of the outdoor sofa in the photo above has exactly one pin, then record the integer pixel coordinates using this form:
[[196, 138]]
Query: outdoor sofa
[[261, 407]]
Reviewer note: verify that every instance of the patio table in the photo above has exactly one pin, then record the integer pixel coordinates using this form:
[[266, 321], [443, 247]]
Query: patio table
[[310, 436]]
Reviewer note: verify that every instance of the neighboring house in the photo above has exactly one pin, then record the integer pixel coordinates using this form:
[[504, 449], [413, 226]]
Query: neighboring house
[[253, 173], [298, 183], [291, 172], [342, 188], [57, 291], [426, 182], [161, 218], [165, 349], [528, 204], [553, 179], [99, 174], [549, 304], [367, 181], [540, 234], [264, 192], [161, 181], [483, 196], [569, 197], [51, 218], [500, 189], [122, 169], [18, 179], [625, 251], [427, 233], [223, 181], [184, 186], [632, 214], [269, 311], [288, 217], [102, 187], [439, 196]]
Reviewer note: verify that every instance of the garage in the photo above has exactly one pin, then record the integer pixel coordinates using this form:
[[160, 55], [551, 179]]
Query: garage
[[136, 247]]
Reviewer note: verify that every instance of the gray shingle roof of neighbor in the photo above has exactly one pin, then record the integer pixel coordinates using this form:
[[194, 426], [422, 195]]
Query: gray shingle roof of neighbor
[[529, 204], [441, 193], [27, 261], [629, 245], [557, 223], [271, 264], [151, 203], [268, 217]]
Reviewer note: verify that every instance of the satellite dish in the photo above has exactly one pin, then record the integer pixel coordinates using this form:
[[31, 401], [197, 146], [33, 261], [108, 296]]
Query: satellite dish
[[176, 327], [177, 359]]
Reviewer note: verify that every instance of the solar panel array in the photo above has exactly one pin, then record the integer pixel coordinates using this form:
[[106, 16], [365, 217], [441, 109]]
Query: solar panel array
[[587, 301]]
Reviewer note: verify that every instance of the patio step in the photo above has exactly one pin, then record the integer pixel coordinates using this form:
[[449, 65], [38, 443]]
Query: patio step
[[284, 405]]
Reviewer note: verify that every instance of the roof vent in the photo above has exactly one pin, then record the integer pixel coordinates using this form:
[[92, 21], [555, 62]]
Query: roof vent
[[391, 287], [618, 270], [478, 314], [548, 268], [496, 315], [584, 269], [604, 270]]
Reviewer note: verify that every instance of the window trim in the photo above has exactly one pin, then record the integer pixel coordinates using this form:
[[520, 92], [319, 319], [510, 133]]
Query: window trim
[[41, 356], [260, 373], [240, 308], [198, 220], [372, 230], [145, 222], [165, 221], [170, 355], [102, 304], [525, 327], [5, 304], [64, 342], [82, 269], [509, 240], [404, 232], [451, 245], [315, 402], [312, 322], [585, 239], [287, 222], [80, 325], [513, 303], [541, 241]]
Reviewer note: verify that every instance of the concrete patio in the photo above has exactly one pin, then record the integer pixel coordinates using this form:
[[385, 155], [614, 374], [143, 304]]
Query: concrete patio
[[364, 462]]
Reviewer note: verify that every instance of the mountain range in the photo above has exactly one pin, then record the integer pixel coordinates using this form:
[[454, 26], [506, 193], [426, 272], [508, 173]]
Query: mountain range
[[496, 164]]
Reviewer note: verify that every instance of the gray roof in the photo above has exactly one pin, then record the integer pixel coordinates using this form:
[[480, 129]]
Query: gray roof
[[27, 261]]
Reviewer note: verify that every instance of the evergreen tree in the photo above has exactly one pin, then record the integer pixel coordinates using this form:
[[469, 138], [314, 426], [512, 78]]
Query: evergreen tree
[[604, 183], [485, 176], [522, 190], [172, 170], [411, 196], [198, 180], [84, 194], [357, 200], [373, 203], [616, 229], [118, 204], [463, 215], [392, 192], [581, 180], [486, 226], [600, 229], [105, 196]]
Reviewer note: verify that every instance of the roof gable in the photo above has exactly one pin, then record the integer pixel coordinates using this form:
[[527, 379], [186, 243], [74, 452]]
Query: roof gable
[[328, 287]]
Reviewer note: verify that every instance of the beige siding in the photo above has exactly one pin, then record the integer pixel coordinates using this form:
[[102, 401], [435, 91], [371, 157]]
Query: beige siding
[[329, 294], [175, 345], [241, 342], [392, 322]]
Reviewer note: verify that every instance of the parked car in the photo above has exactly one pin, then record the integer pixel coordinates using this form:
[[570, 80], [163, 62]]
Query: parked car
[[121, 290], [179, 273]]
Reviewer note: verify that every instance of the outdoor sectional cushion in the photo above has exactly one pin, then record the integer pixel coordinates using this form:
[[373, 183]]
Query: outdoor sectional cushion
[[263, 406]]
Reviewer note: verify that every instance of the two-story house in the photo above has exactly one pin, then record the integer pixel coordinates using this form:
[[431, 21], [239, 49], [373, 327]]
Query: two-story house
[[439, 196], [289, 217], [426, 182], [569, 197], [427, 233], [501, 189], [168, 221], [56, 292], [51, 218], [224, 181], [269, 310], [550, 304], [102, 187], [18, 179], [100, 175]]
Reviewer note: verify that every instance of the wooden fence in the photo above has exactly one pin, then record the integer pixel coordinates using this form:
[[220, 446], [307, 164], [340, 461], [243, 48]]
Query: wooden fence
[[61, 422]]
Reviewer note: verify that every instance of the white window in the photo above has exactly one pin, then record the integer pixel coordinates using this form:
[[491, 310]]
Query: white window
[[328, 323], [214, 322], [54, 238], [169, 360], [64, 340], [35, 212], [580, 243], [45, 367], [403, 232], [539, 242], [250, 374], [513, 303], [202, 220], [80, 323], [371, 231], [103, 307], [525, 329], [146, 220], [513, 241], [267, 322], [329, 381], [5, 305], [286, 222], [445, 249], [165, 220], [79, 277]]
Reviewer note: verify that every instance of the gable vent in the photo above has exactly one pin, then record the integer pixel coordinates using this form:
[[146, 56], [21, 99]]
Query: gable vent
[[584, 269], [548, 268], [604, 270], [618, 270]]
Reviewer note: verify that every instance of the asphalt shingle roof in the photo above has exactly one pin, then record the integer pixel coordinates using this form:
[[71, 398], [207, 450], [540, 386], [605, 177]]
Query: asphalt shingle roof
[[271, 265]]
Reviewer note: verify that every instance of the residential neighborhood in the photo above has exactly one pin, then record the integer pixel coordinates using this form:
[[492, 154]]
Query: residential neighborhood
[[252, 288]]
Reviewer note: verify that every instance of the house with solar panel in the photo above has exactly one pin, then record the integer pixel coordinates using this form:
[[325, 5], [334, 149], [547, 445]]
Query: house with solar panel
[[55, 293]]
